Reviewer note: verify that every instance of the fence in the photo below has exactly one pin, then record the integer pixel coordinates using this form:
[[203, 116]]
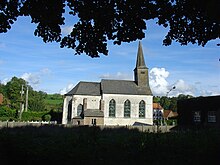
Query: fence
[[142, 128]]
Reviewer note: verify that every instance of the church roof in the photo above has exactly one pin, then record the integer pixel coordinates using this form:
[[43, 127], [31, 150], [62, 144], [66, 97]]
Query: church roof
[[123, 87], [86, 88], [93, 113], [109, 87]]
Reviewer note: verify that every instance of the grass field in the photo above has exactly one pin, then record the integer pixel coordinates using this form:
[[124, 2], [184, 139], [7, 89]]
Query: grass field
[[91, 145], [54, 102]]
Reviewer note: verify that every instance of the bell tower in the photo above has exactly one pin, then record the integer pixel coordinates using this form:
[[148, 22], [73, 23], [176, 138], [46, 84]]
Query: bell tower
[[141, 71]]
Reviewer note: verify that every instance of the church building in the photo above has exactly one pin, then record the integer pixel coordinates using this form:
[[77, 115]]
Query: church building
[[111, 102]]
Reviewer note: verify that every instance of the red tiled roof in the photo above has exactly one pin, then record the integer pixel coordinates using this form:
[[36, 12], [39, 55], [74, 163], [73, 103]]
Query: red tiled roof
[[157, 106], [166, 113], [169, 113]]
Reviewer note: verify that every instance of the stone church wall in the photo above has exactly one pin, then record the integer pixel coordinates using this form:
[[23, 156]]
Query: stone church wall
[[119, 119]]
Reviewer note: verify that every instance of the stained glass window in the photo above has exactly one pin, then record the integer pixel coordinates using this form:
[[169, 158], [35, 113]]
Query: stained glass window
[[142, 108], [112, 108], [127, 108]]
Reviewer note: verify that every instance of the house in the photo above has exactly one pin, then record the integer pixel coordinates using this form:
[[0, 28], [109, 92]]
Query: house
[[199, 112], [111, 102], [169, 114], [157, 111]]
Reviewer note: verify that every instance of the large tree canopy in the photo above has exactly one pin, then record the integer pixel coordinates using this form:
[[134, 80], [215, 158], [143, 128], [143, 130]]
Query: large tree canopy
[[189, 21]]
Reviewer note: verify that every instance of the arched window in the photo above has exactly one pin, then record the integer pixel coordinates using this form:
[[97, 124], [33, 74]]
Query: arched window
[[112, 108], [127, 108], [79, 110], [142, 108], [69, 112]]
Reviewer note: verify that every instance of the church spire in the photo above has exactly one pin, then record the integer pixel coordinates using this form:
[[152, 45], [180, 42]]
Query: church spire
[[140, 63], [141, 71]]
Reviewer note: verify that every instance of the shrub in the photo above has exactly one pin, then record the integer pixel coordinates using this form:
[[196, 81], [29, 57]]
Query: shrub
[[47, 117]]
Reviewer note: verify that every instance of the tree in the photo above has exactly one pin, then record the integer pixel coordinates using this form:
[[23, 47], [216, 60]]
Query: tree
[[173, 104], [189, 21], [156, 99], [165, 102], [13, 91], [36, 101]]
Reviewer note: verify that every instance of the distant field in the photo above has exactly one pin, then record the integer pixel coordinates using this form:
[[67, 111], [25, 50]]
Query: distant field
[[54, 102], [54, 99]]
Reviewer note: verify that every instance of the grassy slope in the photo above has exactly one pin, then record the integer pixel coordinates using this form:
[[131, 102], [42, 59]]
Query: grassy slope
[[53, 102]]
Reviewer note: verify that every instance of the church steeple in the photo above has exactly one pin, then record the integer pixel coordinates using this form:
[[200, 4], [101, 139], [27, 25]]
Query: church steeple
[[141, 71], [140, 57]]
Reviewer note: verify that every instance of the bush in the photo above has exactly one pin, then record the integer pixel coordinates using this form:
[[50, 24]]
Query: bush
[[47, 117], [33, 116], [7, 113]]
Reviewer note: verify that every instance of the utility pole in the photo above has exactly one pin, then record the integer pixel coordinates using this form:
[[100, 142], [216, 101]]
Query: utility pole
[[21, 104], [167, 97], [26, 100]]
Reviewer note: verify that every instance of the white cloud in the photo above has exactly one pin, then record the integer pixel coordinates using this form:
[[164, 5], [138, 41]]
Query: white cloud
[[35, 78], [32, 78], [161, 87], [184, 88], [117, 76], [158, 82], [66, 89], [4, 81]]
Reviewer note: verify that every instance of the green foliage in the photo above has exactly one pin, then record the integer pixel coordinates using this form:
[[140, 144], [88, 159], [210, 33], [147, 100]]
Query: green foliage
[[33, 116], [171, 122], [54, 102], [170, 103], [96, 22], [36, 104], [7, 113], [165, 102], [156, 99], [13, 91], [47, 117], [39, 103]]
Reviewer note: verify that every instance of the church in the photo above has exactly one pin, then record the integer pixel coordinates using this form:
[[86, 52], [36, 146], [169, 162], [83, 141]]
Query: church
[[111, 102]]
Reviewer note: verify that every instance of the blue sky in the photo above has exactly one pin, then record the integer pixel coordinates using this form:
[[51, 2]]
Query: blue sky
[[193, 69]]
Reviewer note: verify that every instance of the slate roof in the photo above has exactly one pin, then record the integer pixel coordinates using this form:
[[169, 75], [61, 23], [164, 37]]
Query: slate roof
[[86, 88], [123, 87], [109, 87], [140, 63], [93, 113]]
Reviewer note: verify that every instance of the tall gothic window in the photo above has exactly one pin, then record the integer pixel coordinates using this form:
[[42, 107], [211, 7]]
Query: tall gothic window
[[112, 108], [79, 109], [69, 113], [142, 108], [127, 108]]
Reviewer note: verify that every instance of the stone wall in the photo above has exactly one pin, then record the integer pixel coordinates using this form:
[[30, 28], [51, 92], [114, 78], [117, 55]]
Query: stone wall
[[153, 128]]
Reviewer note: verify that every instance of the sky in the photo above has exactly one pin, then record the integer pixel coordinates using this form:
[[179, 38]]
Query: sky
[[192, 69]]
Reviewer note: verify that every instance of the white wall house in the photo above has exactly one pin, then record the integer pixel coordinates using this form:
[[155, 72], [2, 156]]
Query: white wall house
[[111, 102]]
